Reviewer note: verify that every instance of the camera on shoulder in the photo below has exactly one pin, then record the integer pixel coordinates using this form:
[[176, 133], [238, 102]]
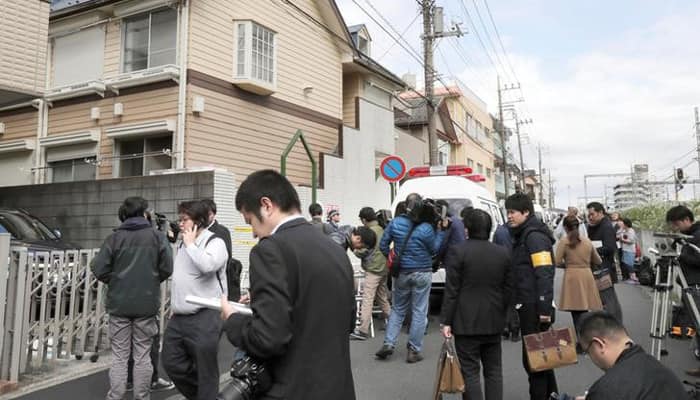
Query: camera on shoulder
[[425, 210]]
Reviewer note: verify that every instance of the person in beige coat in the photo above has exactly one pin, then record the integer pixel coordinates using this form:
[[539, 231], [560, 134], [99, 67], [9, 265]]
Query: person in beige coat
[[578, 292]]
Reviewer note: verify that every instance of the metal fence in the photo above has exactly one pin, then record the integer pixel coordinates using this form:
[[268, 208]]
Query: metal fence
[[52, 308]]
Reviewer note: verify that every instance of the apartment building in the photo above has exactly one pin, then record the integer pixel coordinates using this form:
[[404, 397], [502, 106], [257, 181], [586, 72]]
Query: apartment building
[[22, 81], [138, 86]]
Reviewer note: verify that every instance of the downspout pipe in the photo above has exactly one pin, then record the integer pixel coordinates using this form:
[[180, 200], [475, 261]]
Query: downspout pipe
[[182, 96]]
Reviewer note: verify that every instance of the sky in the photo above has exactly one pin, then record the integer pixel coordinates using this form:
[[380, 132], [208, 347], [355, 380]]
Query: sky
[[606, 84]]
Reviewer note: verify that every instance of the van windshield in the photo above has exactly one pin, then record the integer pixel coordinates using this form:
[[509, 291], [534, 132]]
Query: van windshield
[[455, 206]]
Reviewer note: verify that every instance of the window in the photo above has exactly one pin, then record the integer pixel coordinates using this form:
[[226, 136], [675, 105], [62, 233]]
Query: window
[[255, 64], [138, 157], [480, 168], [363, 45], [150, 40], [488, 172], [76, 169], [78, 57], [470, 163]]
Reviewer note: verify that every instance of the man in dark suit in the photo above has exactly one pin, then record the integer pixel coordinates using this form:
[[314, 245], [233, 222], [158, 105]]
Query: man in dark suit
[[301, 293], [478, 290]]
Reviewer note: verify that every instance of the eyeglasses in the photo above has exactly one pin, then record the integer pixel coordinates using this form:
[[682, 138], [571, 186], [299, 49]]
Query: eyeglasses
[[584, 351]]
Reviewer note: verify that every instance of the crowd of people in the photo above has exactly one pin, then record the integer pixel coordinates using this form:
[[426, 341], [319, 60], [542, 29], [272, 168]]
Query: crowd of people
[[302, 293]]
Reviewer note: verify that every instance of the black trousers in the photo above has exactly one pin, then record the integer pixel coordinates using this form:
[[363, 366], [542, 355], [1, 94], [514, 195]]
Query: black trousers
[[190, 347], [576, 317], [474, 352], [542, 384]]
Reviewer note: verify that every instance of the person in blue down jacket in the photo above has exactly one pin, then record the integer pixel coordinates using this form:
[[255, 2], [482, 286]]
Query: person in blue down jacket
[[415, 243]]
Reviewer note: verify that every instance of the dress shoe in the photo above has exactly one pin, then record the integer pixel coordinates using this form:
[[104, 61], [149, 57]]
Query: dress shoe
[[413, 356], [693, 372], [358, 335], [161, 385], [384, 352]]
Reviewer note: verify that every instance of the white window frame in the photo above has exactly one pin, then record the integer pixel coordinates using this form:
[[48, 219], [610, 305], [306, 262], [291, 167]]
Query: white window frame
[[247, 80], [150, 21], [74, 161], [117, 151]]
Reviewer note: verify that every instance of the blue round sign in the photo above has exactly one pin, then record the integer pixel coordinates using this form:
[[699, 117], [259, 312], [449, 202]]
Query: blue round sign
[[392, 168]]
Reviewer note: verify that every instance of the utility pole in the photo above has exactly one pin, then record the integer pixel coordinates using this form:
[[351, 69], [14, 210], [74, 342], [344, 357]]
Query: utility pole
[[520, 145], [432, 29], [551, 191], [541, 178], [502, 133]]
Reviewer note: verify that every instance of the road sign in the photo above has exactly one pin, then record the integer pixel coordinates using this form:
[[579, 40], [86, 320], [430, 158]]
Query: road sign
[[392, 168]]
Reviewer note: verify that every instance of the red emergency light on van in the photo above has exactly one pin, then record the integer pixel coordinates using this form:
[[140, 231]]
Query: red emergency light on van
[[476, 178], [439, 170]]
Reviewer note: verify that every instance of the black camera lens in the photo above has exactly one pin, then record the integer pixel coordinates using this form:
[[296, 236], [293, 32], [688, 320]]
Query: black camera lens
[[237, 389]]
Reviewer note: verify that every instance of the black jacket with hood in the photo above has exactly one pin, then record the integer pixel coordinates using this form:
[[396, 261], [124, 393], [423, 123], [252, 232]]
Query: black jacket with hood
[[689, 258], [132, 262]]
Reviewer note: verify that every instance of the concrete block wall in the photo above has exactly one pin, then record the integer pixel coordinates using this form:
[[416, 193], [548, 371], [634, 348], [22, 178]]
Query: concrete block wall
[[86, 212]]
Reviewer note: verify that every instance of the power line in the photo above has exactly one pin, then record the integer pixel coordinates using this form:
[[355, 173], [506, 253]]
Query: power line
[[476, 33], [488, 38], [498, 36], [403, 33], [390, 26]]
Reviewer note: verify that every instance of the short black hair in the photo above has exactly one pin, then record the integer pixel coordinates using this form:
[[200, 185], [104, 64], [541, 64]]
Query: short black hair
[[478, 223], [520, 202], [270, 184], [367, 236], [597, 206], [465, 210], [599, 324], [679, 213], [315, 209], [400, 208], [627, 222], [210, 205], [134, 206], [196, 210], [368, 214]]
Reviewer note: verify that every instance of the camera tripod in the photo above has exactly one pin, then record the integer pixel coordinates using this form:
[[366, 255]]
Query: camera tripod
[[667, 269]]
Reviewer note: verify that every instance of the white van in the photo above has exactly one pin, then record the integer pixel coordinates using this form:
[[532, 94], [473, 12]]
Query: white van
[[459, 190]]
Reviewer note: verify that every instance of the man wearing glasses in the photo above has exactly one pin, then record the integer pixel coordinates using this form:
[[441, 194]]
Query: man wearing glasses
[[630, 373]]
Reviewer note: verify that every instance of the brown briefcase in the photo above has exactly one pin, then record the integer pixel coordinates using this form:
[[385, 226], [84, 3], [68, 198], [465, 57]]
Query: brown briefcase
[[551, 349]]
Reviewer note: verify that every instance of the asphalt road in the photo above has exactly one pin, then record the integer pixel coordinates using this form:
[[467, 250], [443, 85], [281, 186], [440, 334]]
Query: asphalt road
[[395, 379]]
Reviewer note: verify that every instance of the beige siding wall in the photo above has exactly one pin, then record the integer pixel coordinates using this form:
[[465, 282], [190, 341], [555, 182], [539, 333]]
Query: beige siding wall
[[243, 137], [113, 40], [24, 31], [19, 126], [307, 55], [351, 90], [146, 106]]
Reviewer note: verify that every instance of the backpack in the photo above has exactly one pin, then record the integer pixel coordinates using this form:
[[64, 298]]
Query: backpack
[[645, 272], [233, 274]]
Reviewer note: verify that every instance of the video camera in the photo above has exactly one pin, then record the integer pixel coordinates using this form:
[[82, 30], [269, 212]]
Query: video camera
[[170, 228], [667, 244], [421, 210]]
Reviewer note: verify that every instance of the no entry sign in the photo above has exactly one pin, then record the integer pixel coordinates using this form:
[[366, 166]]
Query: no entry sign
[[392, 168]]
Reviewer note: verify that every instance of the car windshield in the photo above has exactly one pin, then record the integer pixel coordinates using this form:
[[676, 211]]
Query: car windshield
[[24, 227]]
